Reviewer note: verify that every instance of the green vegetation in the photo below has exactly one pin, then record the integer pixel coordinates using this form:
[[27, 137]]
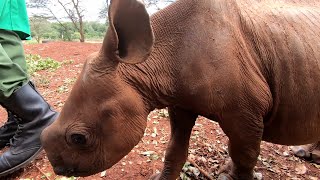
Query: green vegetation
[[36, 63], [43, 29], [42, 81], [188, 171], [67, 83], [39, 26]]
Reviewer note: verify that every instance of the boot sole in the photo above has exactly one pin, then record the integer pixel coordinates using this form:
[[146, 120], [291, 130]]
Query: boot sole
[[21, 165]]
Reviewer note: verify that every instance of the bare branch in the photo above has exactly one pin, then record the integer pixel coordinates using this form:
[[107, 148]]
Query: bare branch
[[70, 14], [72, 9]]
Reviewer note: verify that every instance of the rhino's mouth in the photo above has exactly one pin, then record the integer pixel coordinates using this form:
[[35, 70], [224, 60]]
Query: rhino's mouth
[[68, 172]]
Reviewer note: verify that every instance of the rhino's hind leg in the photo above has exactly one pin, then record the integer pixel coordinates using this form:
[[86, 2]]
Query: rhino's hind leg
[[309, 151], [177, 151], [244, 148]]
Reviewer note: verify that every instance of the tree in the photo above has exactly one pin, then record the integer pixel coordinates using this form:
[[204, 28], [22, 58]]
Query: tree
[[103, 13], [72, 8], [75, 14], [39, 27], [95, 30], [148, 3], [65, 32]]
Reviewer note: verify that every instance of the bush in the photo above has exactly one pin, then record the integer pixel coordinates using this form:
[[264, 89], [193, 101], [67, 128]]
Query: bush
[[37, 63]]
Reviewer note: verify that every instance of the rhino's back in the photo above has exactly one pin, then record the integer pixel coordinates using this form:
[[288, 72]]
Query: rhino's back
[[286, 38], [282, 38]]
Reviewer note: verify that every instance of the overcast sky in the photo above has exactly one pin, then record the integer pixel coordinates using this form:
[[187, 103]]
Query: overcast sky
[[92, 9]]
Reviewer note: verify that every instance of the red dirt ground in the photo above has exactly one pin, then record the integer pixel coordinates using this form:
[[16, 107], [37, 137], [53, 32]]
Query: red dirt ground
[[207, 144]]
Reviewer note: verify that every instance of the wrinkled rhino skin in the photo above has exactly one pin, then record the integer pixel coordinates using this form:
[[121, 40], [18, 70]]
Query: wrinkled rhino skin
[[252, 66]]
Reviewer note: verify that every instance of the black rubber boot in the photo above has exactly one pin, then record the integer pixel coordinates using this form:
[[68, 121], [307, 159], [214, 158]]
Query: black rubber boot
[[33, 115], [8, 130]]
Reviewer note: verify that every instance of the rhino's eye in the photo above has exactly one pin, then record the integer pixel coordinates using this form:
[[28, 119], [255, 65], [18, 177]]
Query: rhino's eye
[[78, 139]]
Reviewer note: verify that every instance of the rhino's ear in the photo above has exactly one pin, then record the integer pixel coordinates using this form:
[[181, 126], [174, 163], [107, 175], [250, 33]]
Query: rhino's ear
[[129, 38]]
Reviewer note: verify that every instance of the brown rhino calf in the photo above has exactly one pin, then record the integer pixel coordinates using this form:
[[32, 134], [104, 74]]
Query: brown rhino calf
[[251, 65]]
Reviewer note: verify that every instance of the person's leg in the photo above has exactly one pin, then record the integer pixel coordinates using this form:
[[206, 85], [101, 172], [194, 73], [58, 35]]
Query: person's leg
[[13, 68], [19, 96], [14, 48], [13, 74]]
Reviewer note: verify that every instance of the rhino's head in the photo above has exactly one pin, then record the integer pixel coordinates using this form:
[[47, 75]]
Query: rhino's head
[[104, 117]]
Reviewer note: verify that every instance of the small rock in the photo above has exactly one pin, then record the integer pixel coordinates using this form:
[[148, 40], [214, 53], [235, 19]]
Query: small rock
[[103, 173], [192, 157], [202, 159], [147, 153], [194, 170], [313, 178], [154, 142], [301, 169], [285, 154], [258, 176]]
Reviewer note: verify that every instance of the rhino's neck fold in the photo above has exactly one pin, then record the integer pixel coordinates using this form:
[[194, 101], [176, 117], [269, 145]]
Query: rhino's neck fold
[[155, 79]]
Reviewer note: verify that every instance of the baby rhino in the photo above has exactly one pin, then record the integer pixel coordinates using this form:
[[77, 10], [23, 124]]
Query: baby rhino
[[252, 66]]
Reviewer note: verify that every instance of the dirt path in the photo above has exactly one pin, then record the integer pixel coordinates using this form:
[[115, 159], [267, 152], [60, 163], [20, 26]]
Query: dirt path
[[207, 145]]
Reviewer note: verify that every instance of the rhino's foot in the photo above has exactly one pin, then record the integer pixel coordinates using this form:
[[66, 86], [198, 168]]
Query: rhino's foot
[[229, 172], [309, 152], [155, 177]]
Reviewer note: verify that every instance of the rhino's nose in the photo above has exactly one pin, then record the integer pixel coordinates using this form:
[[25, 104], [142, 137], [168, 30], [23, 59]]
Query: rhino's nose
[[63, 171]]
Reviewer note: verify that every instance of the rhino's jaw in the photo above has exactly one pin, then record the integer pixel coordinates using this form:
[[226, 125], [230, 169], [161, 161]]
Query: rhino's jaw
[[68, 172], [63, 171]]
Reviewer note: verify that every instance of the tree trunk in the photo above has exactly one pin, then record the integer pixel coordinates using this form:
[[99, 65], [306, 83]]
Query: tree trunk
[[81, 29], [82, 39], [38, 39]]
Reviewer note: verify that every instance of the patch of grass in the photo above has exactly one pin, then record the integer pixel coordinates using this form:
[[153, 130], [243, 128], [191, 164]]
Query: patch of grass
[[164, 113], [62, 89], [42, 81], [67, 62], [67, 178], [32, 41], [46, 175], [185, 173], [68, 82], [37, 63], [151, 155], [189, 172]]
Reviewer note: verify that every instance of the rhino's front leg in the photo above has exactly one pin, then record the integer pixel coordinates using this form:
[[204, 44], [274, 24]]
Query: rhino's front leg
[[177, 151], [245, 135]]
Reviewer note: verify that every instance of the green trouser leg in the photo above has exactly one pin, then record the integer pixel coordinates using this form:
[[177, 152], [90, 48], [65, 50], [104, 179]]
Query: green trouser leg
[[13, 67]]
